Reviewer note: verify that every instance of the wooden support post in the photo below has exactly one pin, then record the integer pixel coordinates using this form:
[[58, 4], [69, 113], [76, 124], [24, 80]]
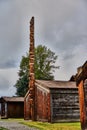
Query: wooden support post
[[82, 104]]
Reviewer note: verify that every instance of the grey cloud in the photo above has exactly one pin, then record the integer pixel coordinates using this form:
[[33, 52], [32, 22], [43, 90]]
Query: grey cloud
[[8, 64], [68, 56], [4, 83], [10, 34], [8, 92], [59, 24], [67, 30], [8, 78], [62, 24]]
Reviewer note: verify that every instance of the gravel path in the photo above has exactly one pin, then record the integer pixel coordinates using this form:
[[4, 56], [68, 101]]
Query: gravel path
[[14, 126]]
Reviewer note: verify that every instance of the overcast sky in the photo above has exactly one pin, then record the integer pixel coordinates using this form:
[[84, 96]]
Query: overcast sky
[[61, 25]]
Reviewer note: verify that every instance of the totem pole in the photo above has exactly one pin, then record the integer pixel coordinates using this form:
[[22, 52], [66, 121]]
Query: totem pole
[[31, 72]]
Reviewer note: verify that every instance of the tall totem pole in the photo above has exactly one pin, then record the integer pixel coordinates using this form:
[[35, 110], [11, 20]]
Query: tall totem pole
[[29, 100], [31, 72]]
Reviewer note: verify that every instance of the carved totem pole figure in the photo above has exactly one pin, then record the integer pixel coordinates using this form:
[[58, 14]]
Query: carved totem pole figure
[[31, 71], [29, 100]]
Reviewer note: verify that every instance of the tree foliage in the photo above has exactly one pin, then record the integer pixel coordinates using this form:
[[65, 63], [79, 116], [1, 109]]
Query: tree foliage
[[44, 67]]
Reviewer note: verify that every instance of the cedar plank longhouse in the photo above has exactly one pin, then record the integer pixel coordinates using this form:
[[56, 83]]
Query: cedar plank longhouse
[[51, 101], [56, 101], [12, 107]]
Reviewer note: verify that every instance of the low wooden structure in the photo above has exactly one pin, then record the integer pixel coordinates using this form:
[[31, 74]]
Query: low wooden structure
[[12, 107], [81, 80], [55, 101]]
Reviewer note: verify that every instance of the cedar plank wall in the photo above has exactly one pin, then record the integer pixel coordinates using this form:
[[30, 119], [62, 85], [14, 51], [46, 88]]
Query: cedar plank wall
[[85, 96], [27, 106], [57, 105], [42, 105], [15, 110], [81, 81], [64, 105], [3, 108]]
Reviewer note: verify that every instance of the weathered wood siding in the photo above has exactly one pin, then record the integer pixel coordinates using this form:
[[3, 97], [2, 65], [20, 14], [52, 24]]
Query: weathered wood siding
[[85, 94], [42, 104], [15, 109], [12, 109], [64, 105]]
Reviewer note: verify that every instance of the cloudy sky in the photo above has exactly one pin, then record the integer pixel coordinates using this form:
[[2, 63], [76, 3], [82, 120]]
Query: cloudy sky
[[61, 25]]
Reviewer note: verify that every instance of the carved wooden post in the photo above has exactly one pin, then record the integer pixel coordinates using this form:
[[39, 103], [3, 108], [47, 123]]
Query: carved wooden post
[[31, 72], [29, 100]]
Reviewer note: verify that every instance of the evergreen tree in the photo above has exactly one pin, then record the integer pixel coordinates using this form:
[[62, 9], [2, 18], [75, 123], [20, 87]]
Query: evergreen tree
[[44, 67]]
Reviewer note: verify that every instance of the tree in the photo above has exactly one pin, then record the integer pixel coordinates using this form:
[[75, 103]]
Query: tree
[[44, 67], [22, 82]]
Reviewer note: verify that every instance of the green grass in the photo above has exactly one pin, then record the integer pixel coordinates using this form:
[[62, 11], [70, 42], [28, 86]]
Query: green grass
[[53, 126], [48, 126], [1, 128]]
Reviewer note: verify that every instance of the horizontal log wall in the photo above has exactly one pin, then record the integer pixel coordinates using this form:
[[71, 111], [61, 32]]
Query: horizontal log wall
[[64, 105]]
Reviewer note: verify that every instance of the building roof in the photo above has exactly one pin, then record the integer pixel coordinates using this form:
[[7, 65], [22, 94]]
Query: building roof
[[83, 73], [12, 99], [56, 84], [73, 78]]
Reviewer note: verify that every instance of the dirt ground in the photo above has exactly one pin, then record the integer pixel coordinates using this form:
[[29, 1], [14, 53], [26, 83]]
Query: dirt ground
[[14, 126]]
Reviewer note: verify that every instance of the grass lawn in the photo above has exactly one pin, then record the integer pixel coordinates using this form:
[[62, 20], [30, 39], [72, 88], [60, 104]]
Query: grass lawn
[[53, 126], [1, 128], [48, 126]]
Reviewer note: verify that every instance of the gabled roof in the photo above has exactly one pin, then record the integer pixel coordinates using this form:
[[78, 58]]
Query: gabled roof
[[73, 78], [12, 99], [83, 74], [56, 84]]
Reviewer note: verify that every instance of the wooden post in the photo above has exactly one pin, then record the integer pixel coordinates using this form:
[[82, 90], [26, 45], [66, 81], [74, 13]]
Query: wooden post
[[82, 104]]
